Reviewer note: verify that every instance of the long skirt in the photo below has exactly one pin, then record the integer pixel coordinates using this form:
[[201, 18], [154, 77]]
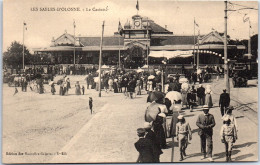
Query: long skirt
[[160, 134], [208, 100]]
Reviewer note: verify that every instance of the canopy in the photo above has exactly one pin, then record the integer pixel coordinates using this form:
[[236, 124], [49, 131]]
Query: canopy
[[171, 54]]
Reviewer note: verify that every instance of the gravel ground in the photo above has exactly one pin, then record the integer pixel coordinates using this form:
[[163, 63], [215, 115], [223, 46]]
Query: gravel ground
[[47, 124]]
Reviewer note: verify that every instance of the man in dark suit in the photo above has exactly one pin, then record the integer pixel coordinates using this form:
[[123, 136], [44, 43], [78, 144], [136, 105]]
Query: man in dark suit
[[151, 135], [201, 95], [224, 101], [145, 148], [206, 122]]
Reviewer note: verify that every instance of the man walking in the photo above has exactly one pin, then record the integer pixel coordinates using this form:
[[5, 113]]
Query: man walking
[[145, 148], [201, 95], [224, 101], [206, 122], [151, 135]]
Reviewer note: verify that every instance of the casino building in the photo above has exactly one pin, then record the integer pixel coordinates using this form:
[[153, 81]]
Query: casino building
[[138, 39]]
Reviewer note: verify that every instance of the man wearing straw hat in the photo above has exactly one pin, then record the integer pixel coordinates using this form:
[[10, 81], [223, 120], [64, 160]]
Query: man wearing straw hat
[[206, 122], [183, 130]]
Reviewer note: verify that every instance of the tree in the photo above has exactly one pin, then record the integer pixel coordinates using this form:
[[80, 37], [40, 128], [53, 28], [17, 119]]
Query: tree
[[13, 57]]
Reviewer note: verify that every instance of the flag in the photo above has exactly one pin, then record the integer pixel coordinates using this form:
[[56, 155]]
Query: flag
[[74, 24], [195, 23], [25, 25], [137, 5], [120, 29]]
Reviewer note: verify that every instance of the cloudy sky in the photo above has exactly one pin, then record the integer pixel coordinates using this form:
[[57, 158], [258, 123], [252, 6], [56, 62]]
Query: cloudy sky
[[178, 16]]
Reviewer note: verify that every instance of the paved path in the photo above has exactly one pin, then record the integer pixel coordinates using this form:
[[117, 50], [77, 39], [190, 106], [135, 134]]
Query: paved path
[[110, 135]]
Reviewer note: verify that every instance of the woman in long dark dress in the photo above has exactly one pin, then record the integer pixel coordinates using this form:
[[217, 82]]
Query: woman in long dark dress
[[115, 86], [158, 129]]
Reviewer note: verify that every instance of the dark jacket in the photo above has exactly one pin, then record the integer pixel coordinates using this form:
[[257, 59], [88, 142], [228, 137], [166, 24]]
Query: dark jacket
[[224, 100], [201, 92], [146, 150], [205, 124], [151, 135]]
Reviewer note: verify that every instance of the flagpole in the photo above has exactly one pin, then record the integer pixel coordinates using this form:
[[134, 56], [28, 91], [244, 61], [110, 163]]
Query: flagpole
[[100, 59], [198, 53], [194, 56], [147, 46], [74, 51], [119, 62], [23, 44]]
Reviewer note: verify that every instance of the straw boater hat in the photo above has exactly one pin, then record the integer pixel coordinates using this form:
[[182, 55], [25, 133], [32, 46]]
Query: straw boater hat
[[205, 107]]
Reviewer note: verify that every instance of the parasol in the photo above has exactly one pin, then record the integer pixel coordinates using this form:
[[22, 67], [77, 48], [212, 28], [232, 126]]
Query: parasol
[[185, 86], [151, 112], [158, 72], [183, 80], [173, 96], [145, 66], [151, 77], [139, 70], [154, 96]]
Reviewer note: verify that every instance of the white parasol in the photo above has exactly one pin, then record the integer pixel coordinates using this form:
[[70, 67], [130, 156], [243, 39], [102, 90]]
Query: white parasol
[[183, 80], [145, 66], [185, 86], [173, 96], [104, 67], [151, 77], [139, 70]]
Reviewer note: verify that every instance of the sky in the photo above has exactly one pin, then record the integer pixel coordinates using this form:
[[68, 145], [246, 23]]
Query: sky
[[179, 16]]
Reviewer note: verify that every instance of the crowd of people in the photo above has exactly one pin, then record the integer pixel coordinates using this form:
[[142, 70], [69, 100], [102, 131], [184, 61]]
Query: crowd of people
[[152, 137]]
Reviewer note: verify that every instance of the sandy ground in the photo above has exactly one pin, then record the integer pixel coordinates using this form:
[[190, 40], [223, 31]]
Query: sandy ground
[[60, 128]]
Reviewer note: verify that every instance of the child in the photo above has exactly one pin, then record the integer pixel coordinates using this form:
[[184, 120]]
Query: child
[[183, 130], [90, 104], [83, 89], [228, 136]]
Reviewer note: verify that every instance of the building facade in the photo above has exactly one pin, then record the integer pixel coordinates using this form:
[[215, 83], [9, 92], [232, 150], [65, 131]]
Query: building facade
[[139, 42]]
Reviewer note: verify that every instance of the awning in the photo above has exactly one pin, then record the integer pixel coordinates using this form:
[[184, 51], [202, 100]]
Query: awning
[[171, 54]]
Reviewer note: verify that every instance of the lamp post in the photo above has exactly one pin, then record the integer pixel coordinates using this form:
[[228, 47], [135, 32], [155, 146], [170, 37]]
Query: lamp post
[[100, 59], [226, 71]]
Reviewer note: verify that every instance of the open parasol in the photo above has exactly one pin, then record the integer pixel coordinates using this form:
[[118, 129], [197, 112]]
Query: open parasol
[[151, 77], [151, 112], [155, 95], [183, 80], [173, 96]]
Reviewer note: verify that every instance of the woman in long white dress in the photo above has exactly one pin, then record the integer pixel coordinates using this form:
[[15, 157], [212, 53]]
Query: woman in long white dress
[[208, 98]]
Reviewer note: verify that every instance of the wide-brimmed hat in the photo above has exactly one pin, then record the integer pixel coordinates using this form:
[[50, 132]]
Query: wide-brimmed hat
[[180, 117]]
